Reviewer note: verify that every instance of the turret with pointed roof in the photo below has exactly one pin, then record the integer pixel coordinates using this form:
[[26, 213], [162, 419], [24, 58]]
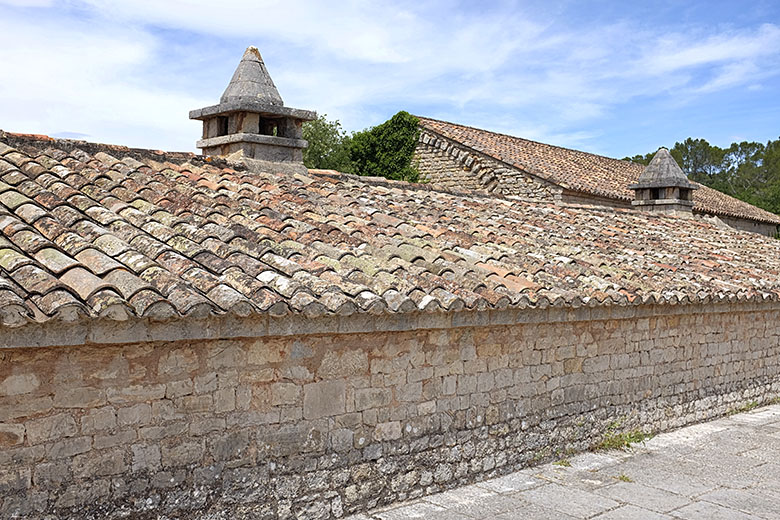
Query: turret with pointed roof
[[251, 120], [663, 186]]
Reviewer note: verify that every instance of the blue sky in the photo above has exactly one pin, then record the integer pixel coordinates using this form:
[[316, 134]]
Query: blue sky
[[616, 78]]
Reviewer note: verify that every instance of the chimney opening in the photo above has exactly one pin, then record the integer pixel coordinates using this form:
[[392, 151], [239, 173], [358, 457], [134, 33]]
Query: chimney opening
[[655, 194], [222, 125], [268, 127]]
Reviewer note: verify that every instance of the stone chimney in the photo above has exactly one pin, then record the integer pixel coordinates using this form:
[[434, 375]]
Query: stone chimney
[[251, 120], [663, 186]]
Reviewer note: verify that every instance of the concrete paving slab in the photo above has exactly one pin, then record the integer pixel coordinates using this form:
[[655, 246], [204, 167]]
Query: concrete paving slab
[[707, 511], [632, 513], [568, 500], [647, 497], [518, 481]]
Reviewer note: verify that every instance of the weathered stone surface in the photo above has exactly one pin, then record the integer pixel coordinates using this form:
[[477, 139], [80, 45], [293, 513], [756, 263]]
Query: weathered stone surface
[[52, 474], [14, 480], [84, 397], [100, 463], [51, 427], [181, 454], [146, 457], [69, 447], [388, 431], [408, 414], [19, 384], [11, 435], [140, 413], [324, 399], [366, 398], [98, 419], [135, 393]]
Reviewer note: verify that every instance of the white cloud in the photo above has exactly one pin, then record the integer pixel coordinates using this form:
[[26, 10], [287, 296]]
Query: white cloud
[[677, 52], [128, 71]]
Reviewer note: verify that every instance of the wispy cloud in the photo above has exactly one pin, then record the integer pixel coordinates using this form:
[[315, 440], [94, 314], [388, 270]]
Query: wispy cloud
[[128, 71]]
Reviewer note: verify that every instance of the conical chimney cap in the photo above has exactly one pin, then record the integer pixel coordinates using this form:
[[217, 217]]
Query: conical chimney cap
[[663, 172], [251, 82]]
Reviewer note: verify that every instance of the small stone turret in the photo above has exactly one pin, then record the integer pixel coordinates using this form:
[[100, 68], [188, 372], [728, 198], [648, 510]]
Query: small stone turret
[[251, 120], [663, 186]]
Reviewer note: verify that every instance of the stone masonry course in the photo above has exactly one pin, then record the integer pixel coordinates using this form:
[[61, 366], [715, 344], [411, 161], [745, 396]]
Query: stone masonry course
[[324, 425]]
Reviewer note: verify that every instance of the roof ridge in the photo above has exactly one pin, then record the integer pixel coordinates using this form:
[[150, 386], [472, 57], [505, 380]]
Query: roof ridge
[[609, 168], [42, 141], [528, 140]]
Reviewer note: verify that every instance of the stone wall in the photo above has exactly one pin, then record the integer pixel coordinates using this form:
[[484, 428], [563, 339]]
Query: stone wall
[[446, 163], [744, 224], [317, 426]]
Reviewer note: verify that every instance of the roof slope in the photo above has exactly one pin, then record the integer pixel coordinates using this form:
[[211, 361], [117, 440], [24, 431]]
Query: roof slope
[[582, 171], [93, 230]]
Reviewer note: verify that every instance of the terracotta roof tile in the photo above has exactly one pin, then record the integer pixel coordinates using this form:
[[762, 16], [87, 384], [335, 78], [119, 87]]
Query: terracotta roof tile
[[247, 242], [582, 171]]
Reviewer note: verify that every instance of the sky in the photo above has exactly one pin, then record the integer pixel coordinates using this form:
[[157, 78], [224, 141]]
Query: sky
[[616, 78]]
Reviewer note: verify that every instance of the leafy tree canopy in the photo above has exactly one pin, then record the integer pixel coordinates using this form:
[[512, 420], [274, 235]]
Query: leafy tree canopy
[[748, 171], [385, 150], [328, 145]]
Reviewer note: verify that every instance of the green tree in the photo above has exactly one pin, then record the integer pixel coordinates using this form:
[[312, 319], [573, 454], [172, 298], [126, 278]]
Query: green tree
[[328, 145], [386, 150], [700, 160]]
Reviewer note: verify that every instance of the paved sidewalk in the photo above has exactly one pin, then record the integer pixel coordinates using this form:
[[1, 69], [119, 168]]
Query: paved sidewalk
[[725, 469]]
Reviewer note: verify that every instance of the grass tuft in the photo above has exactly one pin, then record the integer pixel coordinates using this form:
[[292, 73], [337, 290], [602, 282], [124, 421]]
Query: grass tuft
[[752, 405], [621, 440]]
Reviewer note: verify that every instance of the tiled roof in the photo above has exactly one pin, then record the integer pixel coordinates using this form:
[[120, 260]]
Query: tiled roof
[[583, 172], [91, 230]]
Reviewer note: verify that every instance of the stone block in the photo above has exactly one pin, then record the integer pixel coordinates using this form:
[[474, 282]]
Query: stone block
[[179, 388], [135, 393], [366, 398], [226, 354], [205, 383], [69, 447], [178, 362], [118, 439], [84, 397], [11, 434], [194, 403], [52, 427], [15, 480], [138, 414], [98, 419], [418, 374], [146, 457], [284, 394], [225, 400], [19, 384], [387, 431], [99, 463], [24, 455], [231, 446], [164, 410], [324, 399], [174, 429], [206, 425], [51, 475], [343, 364], [26, 407], [411, 392], [181, 454], [341, 439]]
